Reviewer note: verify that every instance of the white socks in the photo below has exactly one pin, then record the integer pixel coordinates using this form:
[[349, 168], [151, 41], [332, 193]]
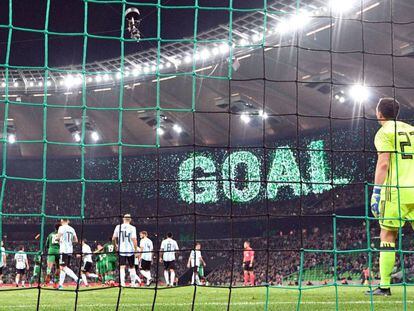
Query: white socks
[[147, 275], [85, 281], [134, 276], [172, 278], [122, 275], [71, 274], [93, 275], [167, 277], [62, 276]]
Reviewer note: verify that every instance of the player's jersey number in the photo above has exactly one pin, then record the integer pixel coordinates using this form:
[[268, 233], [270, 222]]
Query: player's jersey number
[[125, 236], [404, 144]]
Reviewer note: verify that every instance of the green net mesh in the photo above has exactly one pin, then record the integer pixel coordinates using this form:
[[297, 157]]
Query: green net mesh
[[259, 50]]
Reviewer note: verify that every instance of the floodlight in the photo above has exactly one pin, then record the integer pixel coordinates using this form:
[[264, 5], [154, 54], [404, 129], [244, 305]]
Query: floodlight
[[245, 118], [95, 136], [77, 137], [359, 93], [341, 6], [178, 129], [224, 48], [11, 138], [188, 59], [263, 114], [160, 131]]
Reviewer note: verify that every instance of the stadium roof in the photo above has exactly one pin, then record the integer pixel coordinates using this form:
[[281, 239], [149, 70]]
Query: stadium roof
[[263, 86]]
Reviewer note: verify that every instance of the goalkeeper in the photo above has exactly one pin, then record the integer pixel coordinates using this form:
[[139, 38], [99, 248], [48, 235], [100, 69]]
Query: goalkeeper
[[392, 201]]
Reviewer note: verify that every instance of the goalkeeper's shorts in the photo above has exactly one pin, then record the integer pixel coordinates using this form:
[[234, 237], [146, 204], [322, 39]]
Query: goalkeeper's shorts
[[400, 212]]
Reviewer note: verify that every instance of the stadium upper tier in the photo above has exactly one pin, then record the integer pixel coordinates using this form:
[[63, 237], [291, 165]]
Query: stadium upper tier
[[304, 75]]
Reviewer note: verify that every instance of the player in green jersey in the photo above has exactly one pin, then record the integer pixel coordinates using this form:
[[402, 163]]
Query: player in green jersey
[[36, 270], [392, 200], [110, 260], [100, 262], [52, 246]]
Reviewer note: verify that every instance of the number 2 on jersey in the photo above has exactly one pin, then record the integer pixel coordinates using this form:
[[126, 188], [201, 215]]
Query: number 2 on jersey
[[404, 144]]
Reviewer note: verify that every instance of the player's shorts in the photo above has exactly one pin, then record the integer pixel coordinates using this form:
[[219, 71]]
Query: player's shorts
[[53, 258], [247, 267], [391, 210], [21, 271], [195, 269], [1, 270], [127, 261], [169, 265], [87, 267], [145, 265], [110, 265], [64, 259]]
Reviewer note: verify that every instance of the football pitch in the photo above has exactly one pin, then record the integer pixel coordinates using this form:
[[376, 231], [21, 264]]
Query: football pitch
[[206, 298]]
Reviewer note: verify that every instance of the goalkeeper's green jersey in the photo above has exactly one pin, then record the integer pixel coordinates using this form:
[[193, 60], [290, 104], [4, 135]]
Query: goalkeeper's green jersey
[[109, 250], [397, 138], [51, 244]]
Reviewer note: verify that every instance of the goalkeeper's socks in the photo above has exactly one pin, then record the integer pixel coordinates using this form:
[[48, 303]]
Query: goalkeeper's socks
[[387, 262]]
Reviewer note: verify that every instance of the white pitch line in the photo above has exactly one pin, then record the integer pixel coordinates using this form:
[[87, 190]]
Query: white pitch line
[[232, 304]]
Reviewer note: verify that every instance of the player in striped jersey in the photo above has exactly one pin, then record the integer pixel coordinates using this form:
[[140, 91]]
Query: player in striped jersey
[[3, 259], [167, 255], [66, 236], [146, 247], [195, 261], [125, 240], [22, 265], [86, 270]]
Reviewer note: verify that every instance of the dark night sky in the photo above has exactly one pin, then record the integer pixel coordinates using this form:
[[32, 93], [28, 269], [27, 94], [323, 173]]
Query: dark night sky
[[27, 48]]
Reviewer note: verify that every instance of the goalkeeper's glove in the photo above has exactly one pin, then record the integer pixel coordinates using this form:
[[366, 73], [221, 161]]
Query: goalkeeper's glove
[[375, 201]]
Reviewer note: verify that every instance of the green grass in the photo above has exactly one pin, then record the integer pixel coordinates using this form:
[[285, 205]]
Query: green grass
[[171, 299]]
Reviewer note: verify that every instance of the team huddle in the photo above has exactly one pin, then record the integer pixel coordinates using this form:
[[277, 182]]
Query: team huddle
[[135, 257]]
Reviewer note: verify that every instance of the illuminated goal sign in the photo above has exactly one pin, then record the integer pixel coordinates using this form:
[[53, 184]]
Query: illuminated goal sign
[[241, 175]]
